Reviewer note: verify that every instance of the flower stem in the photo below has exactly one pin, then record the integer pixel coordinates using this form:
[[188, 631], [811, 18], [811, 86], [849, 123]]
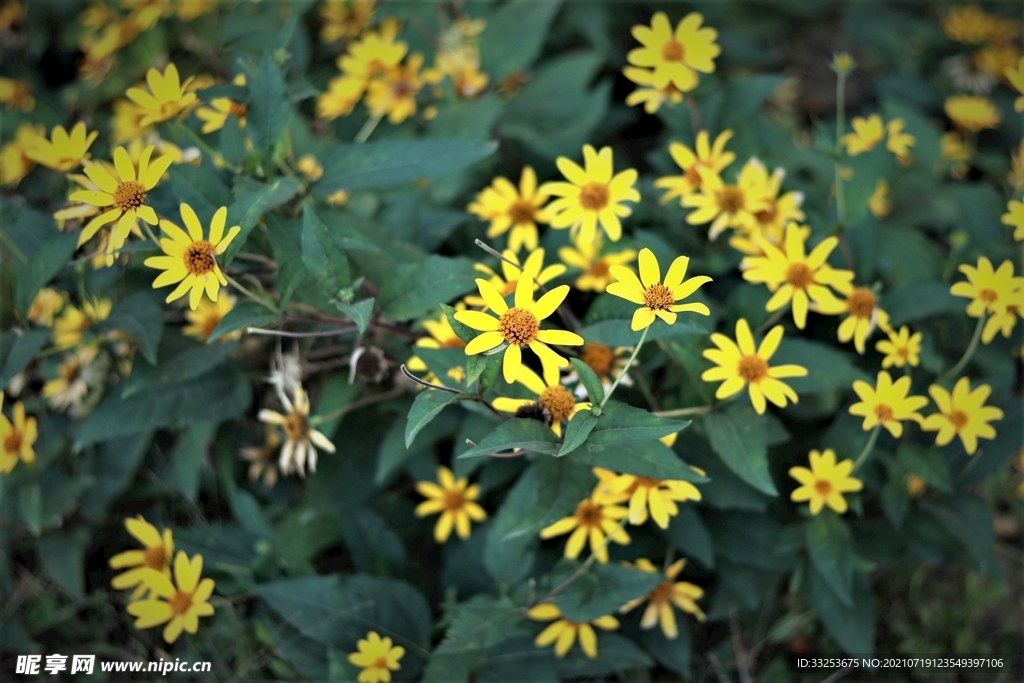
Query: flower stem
[[868, 447], [585, 566], [625, 368], [364, 133], [297, 335], [840, 127], [210, 151], [955, 370], [241, 288], [683, 412], [774, 318]]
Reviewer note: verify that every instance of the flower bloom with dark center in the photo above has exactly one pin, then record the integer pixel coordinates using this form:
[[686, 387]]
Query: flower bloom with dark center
[[16, 438], [596, 269], [729, 205], [658, 495], [179, 606], [887, 403], [455, 500], [63, 151], [167, 95], [592, 520], [682, 594], [657, 298], [301, 440], [508, 208], [675, 56], [159, 549], [825, 483], [377, 657], [554, 404], [901, 348], [991, 291], [962, 413], [690, 161]]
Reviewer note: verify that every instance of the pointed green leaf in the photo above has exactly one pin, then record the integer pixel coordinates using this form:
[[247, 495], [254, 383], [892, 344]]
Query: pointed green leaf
[[268, 107], [620, 423], [602, 590], [326, 262], [425, 408], [42, 267], [643, 459], [359, 312], [830, 547], [595, 392], [531, 435], [245, 314], [245, 212], [415, 288], [742, 444], [577, 431], [17, 351], [141, 318]]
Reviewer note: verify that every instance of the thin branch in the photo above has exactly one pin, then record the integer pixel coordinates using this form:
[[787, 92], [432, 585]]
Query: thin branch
[[423, 382], [298, 335]]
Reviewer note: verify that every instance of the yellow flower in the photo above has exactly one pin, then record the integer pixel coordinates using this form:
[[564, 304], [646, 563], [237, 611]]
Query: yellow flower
[[866, 134], [594, 520], [825, 483], [345, 18], [510, 274], [207, 316], [843, 63], [644, 493], [126, 195], [677, 55], [592, 195], [63, 151], [76, 375], [15, 162], [1014, 217], [519, 326], [898, 142], [653, 93], [338, 198], [70, 328], [990, 291], [796, 276], [261, 459], [45, 306], [690, 161], [962, 413], [741, 364], [902, 348], [563, 632], [972, 113], [216, 115], [879, 201], [308, 166], [1015, 75], [16, 438], [191, 9], [376, 657], [915, 485], [182, 604], [167, 96], [455, 500], [554, 404], [506, 208], [728, 206], [596, 270], [126, 123], [863, 317], [657, 298], [1006, 312], [11, 13], [1016, 175], [660, 600], [997, 60], [159, 549], [374, 54], [301, 439], [887, 404], [16, 95], [442, 336], [395, 93], [771, 221], [967, 24], [190, 259]]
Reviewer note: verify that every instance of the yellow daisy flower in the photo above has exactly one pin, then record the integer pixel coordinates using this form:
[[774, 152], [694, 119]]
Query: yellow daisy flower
[[898, 142], [657, 298], [377, 657], [606, 362], [159, 549], [887, 404], [309, 167], [373, 54], [901, 348], [507, 208], [825, 483], [188, 10], [203, 320], [45, 306], [660, 600], [996, 60], [341, 97], [182, 605], [592, 196], [455, 500], [553, 405], [866, 134], [703, 155], [15, 162], [507, 281], [727, 206], [1005, 315], [972, 113], [63, 151], [863, 317], [676, 56], [190, 259], [395, 93], [262, 459], [962, 413], [345, 18], [594, 520], [770, 223], [1015, 76], [16, 95], [596, 270], [564, 632], [878, 203], [1014, 217], [167, 96], [301, 440], [795, 276], [519, 326], [968, 24], [741, 364], [77, 373], [990, 292], [644, 493], [70, 328], [17, 436], [216, 115], [126, 123], [654, 91]]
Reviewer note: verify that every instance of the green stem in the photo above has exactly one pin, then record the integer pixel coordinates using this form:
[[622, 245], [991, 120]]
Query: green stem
[[683, 412], [364, 133], [585, 566], [625, 368], [13, 247], [774, 318], [210, 151], [840, 127], [241, 288], [868, 447], [955, 370], [149, 233]]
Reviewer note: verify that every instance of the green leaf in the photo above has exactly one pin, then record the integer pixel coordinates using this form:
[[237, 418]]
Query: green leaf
[[201, 188], [673, 654], [576, 432], [510, 560], [180, 360], [48, 260], [595, 392], [112, 465], [516, 660], [620, 423], [643, 459], [224, 547], [245, 212], [63, 556], [687, 532], [17, 351], [359, 312], [927, 463], [920, 300], [830, 547], [614, 653], [474, 626], [514, 36], [561, 484], [315, 605], [618, 333], [852, 627], [371, 542], [531, 435], [742, 444], [968, 519], [186, 459], [601, 590], [232, 142], [141, 318], [394, 162], [463, 332], [748, 539], [425, 408], [268, 107], [477, 365], [415, 288], [827, 368], [245, 314], [326, 262]]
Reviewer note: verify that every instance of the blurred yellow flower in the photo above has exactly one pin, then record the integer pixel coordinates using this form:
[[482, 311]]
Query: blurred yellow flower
[[659, 496], [63, 151], [901, 348], [771, 221], [126, 123], [207, 316], [825, 483], [660, 600], [216, 115], [592, 520], [508, 208], [17, 436], [16, 95], [442, 336], [652, 93], [506, 282], [962, 413], [866, 134], [997, 60], [1014, 217], [596, 269], [657, 299], [967, 24], [308, 166], [728, 206], [70, 328], [167, 96], [553, 404], [676, 56], [455, 500], [863, 316], [45, 306], [898, 142], [338, 198], [301, 439], [690, 161], [564, 632], [887, 403], [262, 459], [377, 657], [345, 18], [156, 555], [182, 605], [1015, 76], [1016, 175], [191, 9], [395, 93], [78, 373], [878, 203], [990, 291], [915, 485], [972, 113], [15, 163]]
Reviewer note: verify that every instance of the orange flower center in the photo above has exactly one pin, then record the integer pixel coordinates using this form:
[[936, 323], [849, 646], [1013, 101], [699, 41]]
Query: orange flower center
[[799, 275], [453, 342], [753, 368], [658, 298], [594, 196], [518, 326], [646, 482], [70, 371], [883, 412], [673, 51], [12, 442], [199, 258], [662, 593], [599, 357], [209, 323], [129, 195], [155, 558], [600, 269], [237, 109], [558, 401], [454, 500], [692, 175], [296, 427], [380, 663], [180, 602], [823, 487], [861, 302], [767, 216], [588, 514], [521, 211], [730, 199], [903, 352], [988, 295], [959, 419]]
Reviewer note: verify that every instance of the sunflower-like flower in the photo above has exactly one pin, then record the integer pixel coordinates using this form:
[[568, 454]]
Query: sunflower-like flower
[[395, 93], [887, 403], [376, 656], [992, 292], [512, 271], [592, 196], [63, 151], [594, 520], [863, 315], [553, 405], [741, 364], [1014, 217], [654, 91], [157, 554], [968, 24], [727, 206], [167, 96], [564, 632], [682, 594], [703, 155], [866, 134], [216, 115], [519, 326], [972, 113], [204, 319], [898, 142], [182, 604], [644, 493], [69, 329], [901, 348], [345, 19], [657, 298], [825, 483], [455, 500], [962, 413], [596, 269], [301, 439], [795, 276], [676, 56], [190, 259], [508, 208], [17, 437], [45, 307], [770, 223]]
